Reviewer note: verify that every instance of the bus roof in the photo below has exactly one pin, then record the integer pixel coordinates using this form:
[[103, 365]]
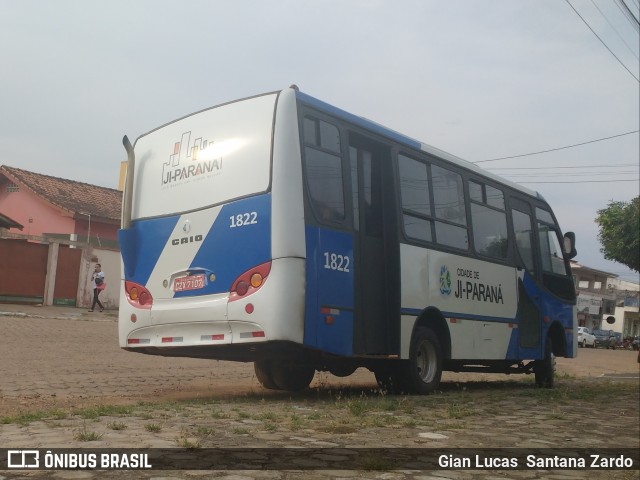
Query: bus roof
[[408, 141]]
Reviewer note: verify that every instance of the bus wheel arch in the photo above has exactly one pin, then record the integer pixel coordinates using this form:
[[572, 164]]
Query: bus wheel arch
[[433, 319], [558, 339]]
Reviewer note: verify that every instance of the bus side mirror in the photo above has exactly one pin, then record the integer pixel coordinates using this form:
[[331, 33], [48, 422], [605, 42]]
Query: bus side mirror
[[570, 245]]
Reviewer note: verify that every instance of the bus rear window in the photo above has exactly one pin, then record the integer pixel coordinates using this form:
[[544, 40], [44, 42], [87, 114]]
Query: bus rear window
[[205, 159]]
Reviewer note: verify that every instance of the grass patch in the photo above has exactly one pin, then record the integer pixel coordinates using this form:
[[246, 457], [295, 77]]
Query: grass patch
[[267, 416], [583, 391], [456, 411], [84, 435], [153, 427], [451, 426], [337, 428], [203, 431], [296, 422], [93, 413], [358, 407], [270, 427], [117, 425], [186, 442]]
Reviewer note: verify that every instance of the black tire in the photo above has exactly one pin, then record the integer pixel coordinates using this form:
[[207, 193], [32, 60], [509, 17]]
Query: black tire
[[424, 369], [263, 374], [342, 369], [389, 377], [544, 369], [291, 376]]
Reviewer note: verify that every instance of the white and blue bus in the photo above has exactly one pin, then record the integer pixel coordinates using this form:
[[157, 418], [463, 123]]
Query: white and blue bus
[[284, 231]]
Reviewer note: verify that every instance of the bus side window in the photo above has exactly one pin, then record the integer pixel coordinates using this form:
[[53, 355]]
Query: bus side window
[[555, 273], [323, 167], [523, 230], [551, 253], [415, 196], [448, 197], [550, 250], [489, 219]]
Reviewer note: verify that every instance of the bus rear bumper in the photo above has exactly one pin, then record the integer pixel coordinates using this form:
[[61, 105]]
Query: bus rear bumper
[[194, 334], [185, 322]]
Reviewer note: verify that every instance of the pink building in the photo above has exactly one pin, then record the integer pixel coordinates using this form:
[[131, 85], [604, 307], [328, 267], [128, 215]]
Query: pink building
[[56, 207]]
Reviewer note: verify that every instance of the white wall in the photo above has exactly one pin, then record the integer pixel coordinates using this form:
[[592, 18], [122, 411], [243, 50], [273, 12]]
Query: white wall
[[110, 262]]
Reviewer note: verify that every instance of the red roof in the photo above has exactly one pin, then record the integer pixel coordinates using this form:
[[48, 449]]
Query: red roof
[[71, 196]]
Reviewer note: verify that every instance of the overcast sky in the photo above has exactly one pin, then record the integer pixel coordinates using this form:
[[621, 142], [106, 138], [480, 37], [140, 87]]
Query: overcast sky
[[481, 79]]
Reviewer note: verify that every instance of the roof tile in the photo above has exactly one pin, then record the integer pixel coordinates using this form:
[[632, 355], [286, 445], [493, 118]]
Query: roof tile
[[75, 197]]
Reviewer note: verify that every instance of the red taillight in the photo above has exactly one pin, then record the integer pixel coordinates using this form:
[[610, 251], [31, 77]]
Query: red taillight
[[249, 282], [137, 295], [242, 288]]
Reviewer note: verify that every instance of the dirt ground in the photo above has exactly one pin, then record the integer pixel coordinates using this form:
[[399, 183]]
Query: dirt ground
[[65, 383]]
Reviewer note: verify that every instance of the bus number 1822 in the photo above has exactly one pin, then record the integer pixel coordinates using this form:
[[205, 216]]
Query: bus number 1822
[[334, 261]]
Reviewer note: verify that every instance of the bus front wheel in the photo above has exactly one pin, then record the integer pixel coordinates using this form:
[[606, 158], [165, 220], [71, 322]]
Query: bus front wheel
[[424, 368], [544, 369]]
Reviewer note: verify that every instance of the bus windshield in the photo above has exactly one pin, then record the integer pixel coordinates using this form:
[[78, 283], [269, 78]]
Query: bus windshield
[[206, 159]]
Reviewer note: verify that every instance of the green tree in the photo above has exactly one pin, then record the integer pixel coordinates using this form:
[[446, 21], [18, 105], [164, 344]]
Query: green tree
[[619, 232]]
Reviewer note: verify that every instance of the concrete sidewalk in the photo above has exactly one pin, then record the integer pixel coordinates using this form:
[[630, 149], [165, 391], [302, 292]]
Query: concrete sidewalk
[[60, 312]]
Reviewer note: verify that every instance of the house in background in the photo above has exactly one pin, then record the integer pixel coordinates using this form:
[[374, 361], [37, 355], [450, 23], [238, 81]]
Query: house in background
[[52, 232], [606, 302], [627, 312], [58, 208], [594, 301]]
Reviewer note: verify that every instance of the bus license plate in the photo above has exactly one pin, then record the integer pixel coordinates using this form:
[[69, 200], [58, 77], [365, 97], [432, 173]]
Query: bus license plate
[[192, 282]]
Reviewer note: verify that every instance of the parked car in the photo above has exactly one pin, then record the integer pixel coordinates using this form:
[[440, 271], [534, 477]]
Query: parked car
[[586, 338], [605, 338], [618, 339]]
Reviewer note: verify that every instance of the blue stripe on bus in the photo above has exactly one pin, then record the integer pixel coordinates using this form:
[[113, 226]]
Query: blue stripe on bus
[[416, 312], [142, 244], [234, 244], [360, 121]]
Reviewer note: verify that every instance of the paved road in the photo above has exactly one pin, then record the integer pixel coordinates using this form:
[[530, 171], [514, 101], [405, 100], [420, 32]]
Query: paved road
[[71, 357], [62, 356]]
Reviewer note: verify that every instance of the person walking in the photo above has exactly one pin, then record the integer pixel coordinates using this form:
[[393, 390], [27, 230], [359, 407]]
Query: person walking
[[97, 281]]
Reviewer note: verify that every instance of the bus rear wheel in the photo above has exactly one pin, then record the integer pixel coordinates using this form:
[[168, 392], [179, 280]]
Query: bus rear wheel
[[263, 374], [291, 376]]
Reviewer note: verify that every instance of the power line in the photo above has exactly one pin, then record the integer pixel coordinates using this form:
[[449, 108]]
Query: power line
[[588, 181], [624, 8], [572, 174], [614, 29], [601, 41], [556, 149], [572, 167]]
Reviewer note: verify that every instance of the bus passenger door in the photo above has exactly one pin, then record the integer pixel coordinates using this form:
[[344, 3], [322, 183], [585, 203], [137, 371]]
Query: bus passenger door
[[374, 240], [529, 294]]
